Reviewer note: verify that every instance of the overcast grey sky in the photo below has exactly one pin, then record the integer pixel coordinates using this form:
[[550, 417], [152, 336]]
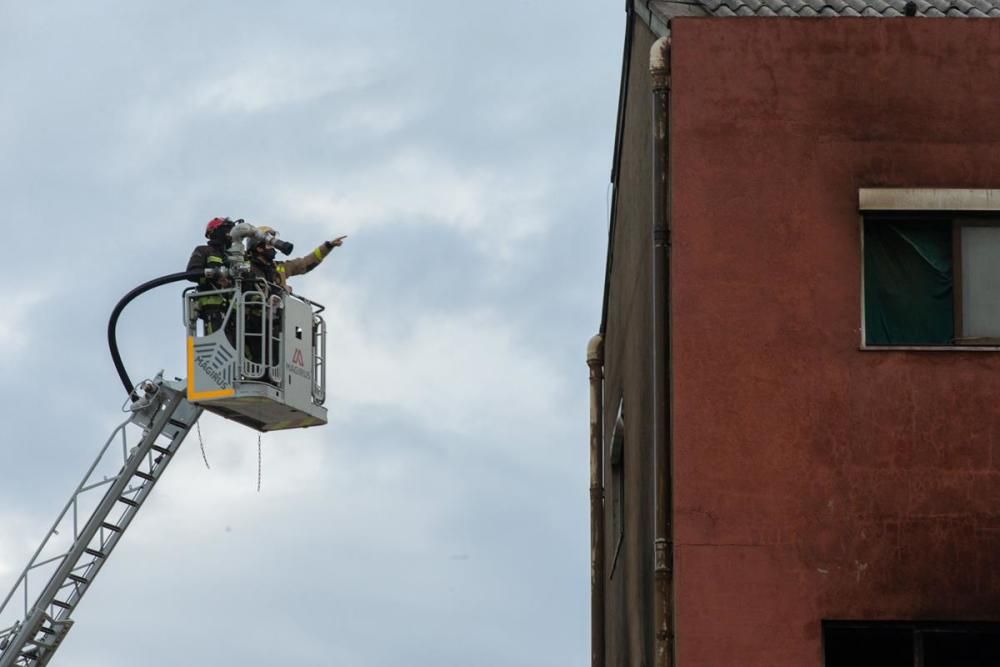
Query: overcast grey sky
[[441, 517]]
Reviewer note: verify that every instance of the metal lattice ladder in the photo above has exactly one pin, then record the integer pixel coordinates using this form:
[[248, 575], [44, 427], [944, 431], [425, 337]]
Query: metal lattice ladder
[[74, 551]]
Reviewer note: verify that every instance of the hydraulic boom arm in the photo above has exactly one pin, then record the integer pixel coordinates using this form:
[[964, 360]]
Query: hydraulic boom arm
[[40, 605]]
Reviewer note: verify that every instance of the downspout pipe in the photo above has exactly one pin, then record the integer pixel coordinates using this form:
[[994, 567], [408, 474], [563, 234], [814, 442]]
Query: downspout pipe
[[659, 67], [595, 360]]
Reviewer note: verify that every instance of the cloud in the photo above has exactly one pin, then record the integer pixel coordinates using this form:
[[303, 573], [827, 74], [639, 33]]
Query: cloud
[[291, 463], [497, 211], [467, 373], [17, 541], [316, 476], [16, 323], [20, 535], [371, 119], [241, 84], [273, 80]]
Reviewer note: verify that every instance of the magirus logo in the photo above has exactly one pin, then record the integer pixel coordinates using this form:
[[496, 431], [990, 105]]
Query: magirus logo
[[298, 365]]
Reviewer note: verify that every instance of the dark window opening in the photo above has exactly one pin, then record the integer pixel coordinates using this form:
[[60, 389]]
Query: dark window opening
[[617, 460], [961, 649], [931, 280], [868, 647], [900, 644]]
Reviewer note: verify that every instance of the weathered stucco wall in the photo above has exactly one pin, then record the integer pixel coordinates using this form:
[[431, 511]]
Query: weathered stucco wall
[[814, 480], [627, 363]]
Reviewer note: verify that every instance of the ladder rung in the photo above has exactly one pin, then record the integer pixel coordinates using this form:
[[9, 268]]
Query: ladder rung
[[78, 579], [95, 553], [112, 527], [144, 475], [60, 603], [178, 423], [127, 501], [162, 450]]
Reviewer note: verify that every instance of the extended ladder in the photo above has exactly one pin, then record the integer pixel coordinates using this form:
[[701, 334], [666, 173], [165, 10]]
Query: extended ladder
[[88, 529]]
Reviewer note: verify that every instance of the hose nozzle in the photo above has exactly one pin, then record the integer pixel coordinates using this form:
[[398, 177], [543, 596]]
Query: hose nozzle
[[271, 240], [284, 247]]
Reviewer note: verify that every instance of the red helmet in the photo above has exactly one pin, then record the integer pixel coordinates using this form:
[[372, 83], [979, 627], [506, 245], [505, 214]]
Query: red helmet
[[214, 224]]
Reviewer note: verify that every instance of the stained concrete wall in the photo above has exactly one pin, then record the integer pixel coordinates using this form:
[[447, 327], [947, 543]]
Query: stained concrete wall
[[814, 480], [628, 376]]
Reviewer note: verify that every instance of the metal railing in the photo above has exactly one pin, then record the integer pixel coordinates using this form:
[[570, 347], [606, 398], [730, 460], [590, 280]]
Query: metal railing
[[319, 360], [253, 326]]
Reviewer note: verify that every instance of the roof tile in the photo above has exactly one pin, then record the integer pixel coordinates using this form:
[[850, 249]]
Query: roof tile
[[885, 8]]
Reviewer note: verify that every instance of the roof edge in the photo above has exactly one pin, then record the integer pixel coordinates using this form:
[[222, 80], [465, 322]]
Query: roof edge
[[657, 13], [617, 153]]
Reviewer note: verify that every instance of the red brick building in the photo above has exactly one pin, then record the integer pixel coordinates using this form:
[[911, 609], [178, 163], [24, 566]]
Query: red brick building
[[796, 456]]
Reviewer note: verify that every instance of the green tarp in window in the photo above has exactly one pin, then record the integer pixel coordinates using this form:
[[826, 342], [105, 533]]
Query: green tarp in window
[[909, 296]]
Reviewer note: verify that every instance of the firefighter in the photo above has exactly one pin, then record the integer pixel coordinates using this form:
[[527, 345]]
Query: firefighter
[[277, 273], [212, 307], [272, 279]]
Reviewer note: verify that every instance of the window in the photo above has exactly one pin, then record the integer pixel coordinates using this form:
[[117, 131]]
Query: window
[[931, 279], [892, 644], [617, 460]]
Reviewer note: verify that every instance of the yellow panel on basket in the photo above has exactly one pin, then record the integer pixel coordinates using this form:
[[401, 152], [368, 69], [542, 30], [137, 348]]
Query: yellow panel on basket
[[194, 394]]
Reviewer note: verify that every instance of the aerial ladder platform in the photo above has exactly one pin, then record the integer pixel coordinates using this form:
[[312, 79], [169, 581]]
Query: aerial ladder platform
[[263, 368]]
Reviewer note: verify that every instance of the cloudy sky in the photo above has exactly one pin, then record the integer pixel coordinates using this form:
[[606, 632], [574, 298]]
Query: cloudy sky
[[441, 517]]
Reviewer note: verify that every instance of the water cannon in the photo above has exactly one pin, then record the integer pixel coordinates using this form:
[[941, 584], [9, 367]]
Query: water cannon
[[272, 241], [244, 231]]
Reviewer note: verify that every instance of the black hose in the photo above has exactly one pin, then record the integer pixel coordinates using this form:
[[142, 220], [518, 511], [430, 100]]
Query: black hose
[[125, 300]]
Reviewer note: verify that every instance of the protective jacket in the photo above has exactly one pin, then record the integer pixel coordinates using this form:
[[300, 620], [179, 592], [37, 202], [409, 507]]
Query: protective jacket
[[278, 273], [203, 257]]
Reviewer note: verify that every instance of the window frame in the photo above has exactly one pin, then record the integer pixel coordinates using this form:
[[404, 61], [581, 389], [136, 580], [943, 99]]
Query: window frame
[[960, 207]]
